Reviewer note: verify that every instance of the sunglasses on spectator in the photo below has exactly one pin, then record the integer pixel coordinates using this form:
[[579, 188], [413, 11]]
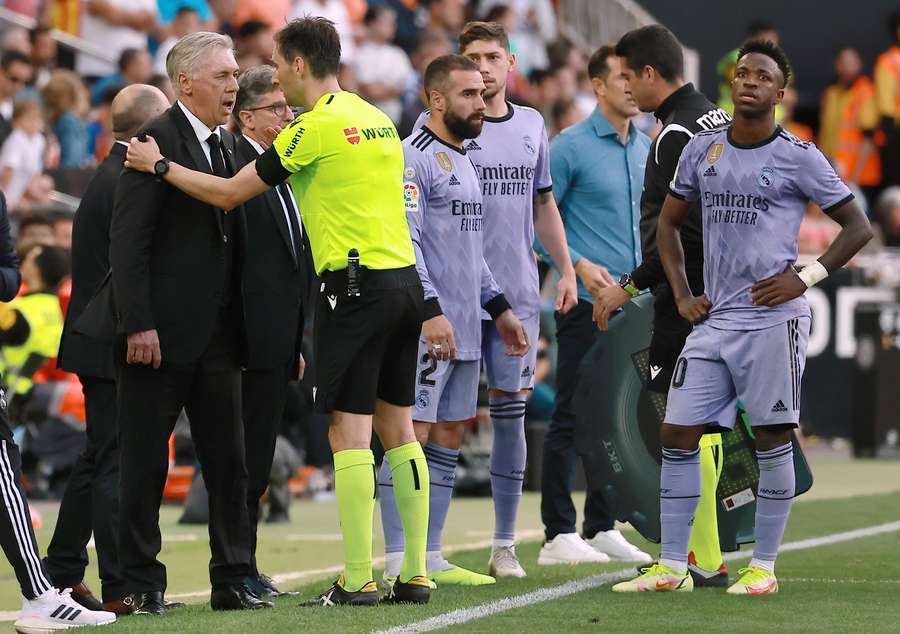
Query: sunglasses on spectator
[[277, 109]]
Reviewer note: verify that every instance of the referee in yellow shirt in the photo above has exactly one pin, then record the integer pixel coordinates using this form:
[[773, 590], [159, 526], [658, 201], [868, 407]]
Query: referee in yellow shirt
[[345, 164]]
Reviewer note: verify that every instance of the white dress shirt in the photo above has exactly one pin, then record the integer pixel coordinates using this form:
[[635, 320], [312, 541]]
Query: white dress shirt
[[201, 130]]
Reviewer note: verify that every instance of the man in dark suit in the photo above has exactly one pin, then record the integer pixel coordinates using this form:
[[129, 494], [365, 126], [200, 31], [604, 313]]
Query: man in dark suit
[[276, 279], [44, 608], [91, 501], [176, 273]]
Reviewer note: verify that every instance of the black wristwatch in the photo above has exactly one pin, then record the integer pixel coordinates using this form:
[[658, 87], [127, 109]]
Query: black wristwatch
[[161, 167], [628, 285]]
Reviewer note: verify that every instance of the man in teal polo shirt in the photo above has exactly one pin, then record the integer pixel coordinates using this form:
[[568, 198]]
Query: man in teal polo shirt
[[597, 167]]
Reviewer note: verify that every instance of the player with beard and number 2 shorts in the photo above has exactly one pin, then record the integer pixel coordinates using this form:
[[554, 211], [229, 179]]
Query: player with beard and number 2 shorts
[[753, 181], [512, 158], [445, 211]]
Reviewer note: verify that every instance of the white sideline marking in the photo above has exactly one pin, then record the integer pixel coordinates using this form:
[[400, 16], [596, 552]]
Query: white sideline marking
[[177, 537], [849, 581], [286, 577], [547, 594], [465, 615], [314, 537], [526, 535]]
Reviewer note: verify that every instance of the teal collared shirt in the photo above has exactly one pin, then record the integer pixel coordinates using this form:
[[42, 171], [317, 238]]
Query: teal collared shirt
[[597, 183]]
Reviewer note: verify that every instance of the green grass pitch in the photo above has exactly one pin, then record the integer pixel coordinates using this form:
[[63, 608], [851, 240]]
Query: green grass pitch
[[851, 586]]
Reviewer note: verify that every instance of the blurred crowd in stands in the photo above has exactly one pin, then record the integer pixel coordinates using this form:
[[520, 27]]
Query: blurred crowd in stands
[[55, 123]]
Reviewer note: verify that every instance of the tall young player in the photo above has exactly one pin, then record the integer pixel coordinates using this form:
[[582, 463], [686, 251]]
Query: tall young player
[[445, 211], [754, 181], [653, 64], [512, 157]]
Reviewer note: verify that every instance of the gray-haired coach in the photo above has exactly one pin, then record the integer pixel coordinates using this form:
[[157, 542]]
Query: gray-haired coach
[[176, 269]]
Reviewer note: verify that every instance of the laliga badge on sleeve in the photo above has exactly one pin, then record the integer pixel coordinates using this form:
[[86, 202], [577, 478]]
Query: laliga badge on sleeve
[[411, 197]]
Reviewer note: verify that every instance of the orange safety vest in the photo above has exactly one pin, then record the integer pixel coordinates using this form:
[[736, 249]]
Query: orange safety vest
[[850, 136], [890, 60]]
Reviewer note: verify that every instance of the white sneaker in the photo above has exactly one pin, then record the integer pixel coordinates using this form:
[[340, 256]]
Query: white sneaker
[[55, 610], [614, 544], [569, 548], [505, 563]]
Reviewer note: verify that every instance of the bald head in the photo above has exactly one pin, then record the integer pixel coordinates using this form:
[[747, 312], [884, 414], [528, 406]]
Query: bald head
[[134, 107]]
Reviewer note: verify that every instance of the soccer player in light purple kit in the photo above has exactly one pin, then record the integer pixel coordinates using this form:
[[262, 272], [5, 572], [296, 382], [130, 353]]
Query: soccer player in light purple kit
[[753, 180], [512, 157], [443, 199]]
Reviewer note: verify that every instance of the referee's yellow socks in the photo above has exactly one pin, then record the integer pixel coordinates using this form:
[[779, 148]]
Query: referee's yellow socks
[[704, 541], [354, 485], [411, 484]]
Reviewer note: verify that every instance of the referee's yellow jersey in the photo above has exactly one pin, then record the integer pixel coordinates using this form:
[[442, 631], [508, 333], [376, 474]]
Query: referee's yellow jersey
[[346, 165]]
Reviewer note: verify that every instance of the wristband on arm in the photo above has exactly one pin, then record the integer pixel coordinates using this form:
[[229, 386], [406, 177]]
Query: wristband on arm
[[813, 274]]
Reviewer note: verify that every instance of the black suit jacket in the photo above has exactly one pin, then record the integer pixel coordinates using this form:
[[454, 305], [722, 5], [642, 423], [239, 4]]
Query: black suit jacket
[[79, 353], [274, 284], [167, 250], [10, 279]]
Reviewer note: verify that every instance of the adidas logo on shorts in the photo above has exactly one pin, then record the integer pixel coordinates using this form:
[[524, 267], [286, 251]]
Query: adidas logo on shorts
[[711, 171], [472, 146], [454, 180], [779, 407]]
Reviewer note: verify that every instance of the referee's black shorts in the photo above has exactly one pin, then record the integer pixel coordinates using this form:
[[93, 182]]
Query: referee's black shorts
[[366, 346]]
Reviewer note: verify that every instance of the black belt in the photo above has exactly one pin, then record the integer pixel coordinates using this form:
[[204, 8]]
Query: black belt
[[335, 282]]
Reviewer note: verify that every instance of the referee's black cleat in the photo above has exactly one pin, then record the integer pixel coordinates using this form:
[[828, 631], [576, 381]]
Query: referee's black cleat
[[707, 578], [416, 590], [337, 595]]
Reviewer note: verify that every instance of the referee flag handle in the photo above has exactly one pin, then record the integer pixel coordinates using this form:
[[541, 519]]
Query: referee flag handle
[[353, 273]]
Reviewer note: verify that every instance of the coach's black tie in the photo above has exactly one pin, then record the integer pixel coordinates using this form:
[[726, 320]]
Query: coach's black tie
[[285, 192], [215, 156], [217, 160]]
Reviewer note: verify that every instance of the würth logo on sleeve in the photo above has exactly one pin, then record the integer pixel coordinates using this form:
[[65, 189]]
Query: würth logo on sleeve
[[352, 135]]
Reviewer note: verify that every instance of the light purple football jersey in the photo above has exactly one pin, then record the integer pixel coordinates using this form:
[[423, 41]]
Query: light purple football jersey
[[753, 199], [512, 158], [445, 212]]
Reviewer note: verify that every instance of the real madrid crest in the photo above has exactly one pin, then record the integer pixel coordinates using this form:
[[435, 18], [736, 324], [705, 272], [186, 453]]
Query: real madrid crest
[[715, 153], [529, 144], [444, 161]]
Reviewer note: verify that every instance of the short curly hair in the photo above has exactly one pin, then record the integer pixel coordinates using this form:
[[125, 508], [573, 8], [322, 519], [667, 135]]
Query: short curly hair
[[770, 50]]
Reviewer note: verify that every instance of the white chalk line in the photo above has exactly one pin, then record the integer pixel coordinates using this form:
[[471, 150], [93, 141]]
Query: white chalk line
[[531, 534], [286, 577], [466, 615]]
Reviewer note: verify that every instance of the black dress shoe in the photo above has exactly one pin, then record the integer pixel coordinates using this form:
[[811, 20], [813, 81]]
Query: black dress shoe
[[265, 587], [237, 597], [151, 603]]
